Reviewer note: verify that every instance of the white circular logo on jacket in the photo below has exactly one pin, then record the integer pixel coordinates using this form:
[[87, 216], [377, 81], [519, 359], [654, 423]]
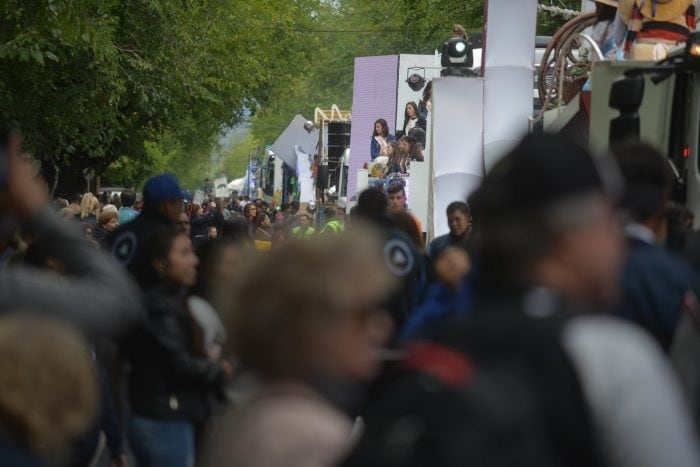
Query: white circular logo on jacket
[[125, 246], [398, 257]]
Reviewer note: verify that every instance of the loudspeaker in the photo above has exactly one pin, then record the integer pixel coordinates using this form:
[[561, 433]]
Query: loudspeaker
[[339, 134], [322, 177]]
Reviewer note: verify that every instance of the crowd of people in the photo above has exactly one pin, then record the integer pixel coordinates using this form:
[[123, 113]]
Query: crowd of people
[[393, 153], [556, 324]]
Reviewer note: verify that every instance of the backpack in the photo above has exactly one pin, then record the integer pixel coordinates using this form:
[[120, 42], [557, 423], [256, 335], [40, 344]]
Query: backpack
[[492, 390]]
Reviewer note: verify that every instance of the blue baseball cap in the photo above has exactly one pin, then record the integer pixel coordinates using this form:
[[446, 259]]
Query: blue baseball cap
[[161, 188]]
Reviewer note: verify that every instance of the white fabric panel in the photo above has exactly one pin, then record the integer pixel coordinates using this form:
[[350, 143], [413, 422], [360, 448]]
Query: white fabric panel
[[306, 182], [295, 135], [505, 113], [457, 164], [448, 188], [509, 71], [362, 181], [510, 33], [419, 187]]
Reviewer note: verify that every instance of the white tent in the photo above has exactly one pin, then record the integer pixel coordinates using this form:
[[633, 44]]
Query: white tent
[[237, 184]]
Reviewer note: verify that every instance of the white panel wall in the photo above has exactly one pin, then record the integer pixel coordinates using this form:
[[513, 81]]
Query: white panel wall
[[307, 193], [508, 60], [457, 144]]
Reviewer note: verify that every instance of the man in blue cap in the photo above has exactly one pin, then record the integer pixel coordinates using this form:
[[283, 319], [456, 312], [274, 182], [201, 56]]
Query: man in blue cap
[[162, 206]]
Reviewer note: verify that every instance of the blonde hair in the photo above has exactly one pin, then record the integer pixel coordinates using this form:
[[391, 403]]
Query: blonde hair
[[459, 29], [89, 205], [48, 385], [277, 331]]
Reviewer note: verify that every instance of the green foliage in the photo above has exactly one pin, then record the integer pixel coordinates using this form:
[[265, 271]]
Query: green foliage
[[98, 81], [236, 156]]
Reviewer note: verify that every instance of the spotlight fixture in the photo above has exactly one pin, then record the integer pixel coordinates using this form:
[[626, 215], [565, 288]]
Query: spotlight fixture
[[416, 82], [457, 58], [309, 126]]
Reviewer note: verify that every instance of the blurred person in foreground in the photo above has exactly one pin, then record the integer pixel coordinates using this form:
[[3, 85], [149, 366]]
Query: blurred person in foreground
[[94, 279], [400, 254], [86, 447], [528, 377], [169, 382], [312, 340], [655, 282], [48, 391]]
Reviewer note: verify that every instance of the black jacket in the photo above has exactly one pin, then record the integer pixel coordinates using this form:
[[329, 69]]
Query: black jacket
[[168, 381], [420, 123], [100, 235], [126, 241], [446, 241], [655, 284]]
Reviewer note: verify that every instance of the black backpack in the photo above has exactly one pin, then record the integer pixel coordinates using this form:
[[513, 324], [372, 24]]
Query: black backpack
[[495, 390]]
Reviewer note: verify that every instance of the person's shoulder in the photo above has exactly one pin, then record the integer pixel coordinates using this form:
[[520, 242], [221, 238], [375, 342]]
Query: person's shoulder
[[440, 240], [606, 345], [438, 244], [283, 429], [645, 257]]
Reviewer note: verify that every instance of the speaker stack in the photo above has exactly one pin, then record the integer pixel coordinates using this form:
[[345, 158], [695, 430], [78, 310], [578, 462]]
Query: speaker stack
[[338, 141]]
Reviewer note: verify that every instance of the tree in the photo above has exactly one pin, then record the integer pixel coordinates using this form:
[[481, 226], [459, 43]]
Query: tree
[[98, 81]]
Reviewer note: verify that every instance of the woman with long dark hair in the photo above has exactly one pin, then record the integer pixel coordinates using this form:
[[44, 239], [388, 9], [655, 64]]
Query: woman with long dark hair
[[380, 139], [398, 161], [168, 383], [413, 119], [410, 149]]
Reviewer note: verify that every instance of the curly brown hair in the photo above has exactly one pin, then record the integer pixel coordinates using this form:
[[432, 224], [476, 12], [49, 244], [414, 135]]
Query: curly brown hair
[[48, 383]]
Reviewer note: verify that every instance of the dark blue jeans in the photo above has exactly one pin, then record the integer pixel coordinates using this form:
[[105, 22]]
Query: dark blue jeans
[[161, 443]]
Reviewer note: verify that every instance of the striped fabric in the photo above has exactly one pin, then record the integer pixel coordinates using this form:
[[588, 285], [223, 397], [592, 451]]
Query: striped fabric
[[640, 27]]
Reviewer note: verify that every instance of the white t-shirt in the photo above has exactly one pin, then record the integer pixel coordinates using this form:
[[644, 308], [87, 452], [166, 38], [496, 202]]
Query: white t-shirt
[[410, 125], [638, 409]]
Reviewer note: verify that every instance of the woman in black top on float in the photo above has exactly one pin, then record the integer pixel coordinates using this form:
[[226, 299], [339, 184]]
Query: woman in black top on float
[[412, 119]]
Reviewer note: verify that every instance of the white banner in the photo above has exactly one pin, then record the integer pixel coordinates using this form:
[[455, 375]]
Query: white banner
[[198, 197], [306, 181], [221, 187], [458, 163], [295, 135], [509, 70]]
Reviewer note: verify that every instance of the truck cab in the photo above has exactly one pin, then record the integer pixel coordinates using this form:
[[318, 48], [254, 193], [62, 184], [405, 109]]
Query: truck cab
[[657, 103]]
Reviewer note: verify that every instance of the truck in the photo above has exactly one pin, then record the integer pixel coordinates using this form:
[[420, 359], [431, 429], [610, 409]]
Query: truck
[[655, 102]]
